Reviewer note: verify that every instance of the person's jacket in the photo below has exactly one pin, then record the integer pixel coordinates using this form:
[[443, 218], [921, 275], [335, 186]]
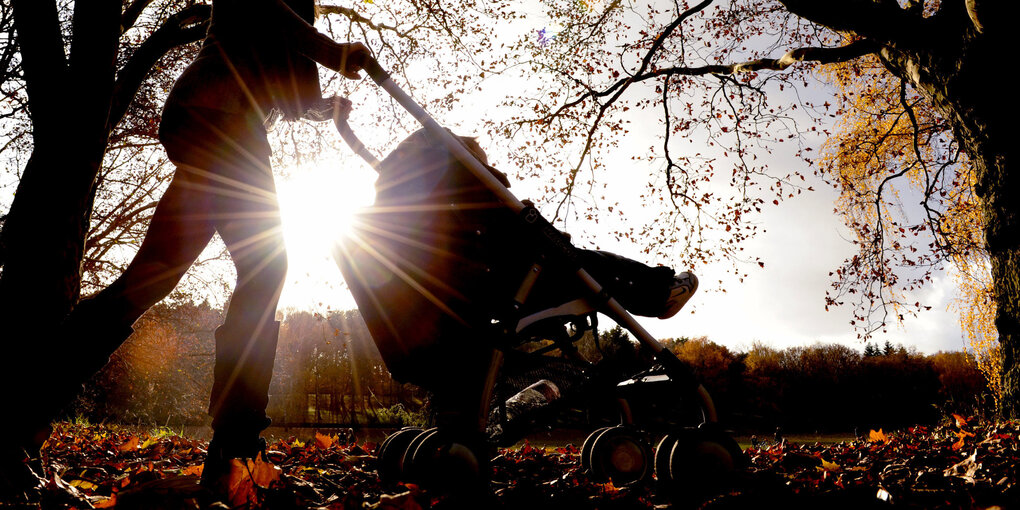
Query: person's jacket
[[259, 55], [259, 40]]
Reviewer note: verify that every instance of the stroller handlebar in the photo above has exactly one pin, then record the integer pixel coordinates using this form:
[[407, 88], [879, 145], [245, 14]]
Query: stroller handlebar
[[371, 66]]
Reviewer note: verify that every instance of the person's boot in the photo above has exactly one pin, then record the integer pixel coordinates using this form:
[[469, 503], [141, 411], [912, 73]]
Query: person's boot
[[240, 394]]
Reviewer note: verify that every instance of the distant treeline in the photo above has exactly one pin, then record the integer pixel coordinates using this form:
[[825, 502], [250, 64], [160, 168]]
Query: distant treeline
[[328, 371], [829, 387]]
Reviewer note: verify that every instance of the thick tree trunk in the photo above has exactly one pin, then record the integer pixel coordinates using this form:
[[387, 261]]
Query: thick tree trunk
[[43, 237], [958, 66]]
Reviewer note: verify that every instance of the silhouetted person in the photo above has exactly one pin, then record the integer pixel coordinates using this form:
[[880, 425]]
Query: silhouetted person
[[257, 61]]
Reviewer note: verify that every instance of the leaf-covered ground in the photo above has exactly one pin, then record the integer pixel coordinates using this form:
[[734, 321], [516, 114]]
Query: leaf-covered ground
[[953, 466]]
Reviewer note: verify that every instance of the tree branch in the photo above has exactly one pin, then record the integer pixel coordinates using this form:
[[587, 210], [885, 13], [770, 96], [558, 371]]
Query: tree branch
[[186, 26], [882, 21], [357, 17], [621, 87], [43, 61], [851, 51], [130, 16], [817, 55]]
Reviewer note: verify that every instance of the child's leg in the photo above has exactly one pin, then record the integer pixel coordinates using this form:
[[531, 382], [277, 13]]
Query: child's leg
[[641, 289]]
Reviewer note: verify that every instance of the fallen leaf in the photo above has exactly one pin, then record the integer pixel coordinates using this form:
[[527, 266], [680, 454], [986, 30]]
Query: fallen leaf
[[961, 435], [130, 444], [240, 488], [323, 441], [402, 501], [965, 469], [195, 470], [877, 436], [83, 484], [959, 420], [263, 473], [110, 502]]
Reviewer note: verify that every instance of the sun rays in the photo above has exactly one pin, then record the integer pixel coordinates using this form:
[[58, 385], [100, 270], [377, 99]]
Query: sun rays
[[317, 204]]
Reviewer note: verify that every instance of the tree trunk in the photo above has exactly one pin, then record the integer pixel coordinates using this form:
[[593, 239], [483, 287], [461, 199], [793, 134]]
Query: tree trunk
[[958, 67], [43, 237]]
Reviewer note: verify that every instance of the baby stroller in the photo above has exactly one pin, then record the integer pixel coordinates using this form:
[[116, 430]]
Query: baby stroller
[[454, 275]]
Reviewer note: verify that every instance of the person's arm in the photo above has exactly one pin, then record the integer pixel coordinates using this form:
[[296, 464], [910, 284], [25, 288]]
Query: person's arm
[[344, 58]]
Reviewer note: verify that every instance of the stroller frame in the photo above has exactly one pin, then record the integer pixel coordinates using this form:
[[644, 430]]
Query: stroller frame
[[511, 323], [555, 241]]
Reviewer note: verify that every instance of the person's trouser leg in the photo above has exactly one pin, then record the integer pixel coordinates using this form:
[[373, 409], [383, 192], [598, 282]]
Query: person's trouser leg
[[248, 219], [180, 229]]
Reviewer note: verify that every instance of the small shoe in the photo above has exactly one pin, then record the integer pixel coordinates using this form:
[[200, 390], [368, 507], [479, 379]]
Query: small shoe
[[683, 287]]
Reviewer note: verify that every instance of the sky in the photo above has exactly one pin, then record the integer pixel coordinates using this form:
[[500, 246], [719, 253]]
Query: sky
[[781, 305]]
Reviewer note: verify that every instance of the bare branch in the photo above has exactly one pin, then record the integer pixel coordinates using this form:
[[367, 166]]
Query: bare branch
[[621, 88], [186, 26], [817, 55], [130, 16], [360, 19]]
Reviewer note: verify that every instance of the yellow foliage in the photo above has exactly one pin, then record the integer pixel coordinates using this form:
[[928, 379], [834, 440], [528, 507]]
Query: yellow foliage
[[977, 316], [876, 139]]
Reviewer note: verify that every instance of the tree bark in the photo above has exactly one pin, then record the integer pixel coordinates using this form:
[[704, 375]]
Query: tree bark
[[70, 99], [957, 68], [44, 234]]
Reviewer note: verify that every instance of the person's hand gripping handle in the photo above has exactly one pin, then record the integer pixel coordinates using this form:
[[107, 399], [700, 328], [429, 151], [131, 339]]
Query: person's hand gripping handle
[[359, 57], [354, 59]]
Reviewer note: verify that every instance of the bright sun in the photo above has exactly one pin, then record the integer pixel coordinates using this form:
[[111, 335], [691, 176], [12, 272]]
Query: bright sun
[[317, 204]]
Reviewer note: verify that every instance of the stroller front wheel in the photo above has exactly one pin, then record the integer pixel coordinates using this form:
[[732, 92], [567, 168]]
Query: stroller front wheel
[[390, 456]]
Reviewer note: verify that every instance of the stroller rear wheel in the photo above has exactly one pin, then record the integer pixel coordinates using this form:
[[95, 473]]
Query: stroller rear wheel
[[589, 442], [447, 464], [663, 452], [698, 462], [409, 471], [621, 455]]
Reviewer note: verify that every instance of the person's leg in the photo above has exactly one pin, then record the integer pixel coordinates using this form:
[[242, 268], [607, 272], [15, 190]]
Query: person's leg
[[178, 232], [247, 217], [246, 342], [180, 229]]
